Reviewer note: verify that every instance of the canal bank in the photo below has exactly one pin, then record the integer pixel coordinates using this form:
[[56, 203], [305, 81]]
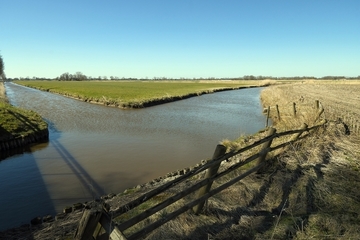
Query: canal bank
[[18, 127]]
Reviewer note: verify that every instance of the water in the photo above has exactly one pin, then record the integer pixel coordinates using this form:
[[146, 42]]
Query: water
[[94, 150]]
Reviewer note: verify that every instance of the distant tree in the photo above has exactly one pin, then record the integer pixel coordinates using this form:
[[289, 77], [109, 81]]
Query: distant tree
[[79, 76], [333, 77], [65, 76], [2, 67], [249, 77]]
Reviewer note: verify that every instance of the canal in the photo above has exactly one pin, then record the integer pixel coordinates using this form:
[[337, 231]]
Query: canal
[[94, 150]]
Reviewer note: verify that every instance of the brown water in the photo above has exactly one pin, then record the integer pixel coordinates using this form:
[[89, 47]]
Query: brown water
[[94, 150]]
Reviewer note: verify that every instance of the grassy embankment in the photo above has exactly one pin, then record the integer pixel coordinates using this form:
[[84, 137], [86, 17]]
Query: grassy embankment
[[310, 189], [16, 122], [135, 94]]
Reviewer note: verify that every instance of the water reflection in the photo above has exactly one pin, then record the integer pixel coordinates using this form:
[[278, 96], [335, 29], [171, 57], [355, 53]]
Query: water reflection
[[6, 154]]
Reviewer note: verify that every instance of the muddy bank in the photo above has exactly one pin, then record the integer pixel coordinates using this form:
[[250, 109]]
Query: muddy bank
[[14, 145]]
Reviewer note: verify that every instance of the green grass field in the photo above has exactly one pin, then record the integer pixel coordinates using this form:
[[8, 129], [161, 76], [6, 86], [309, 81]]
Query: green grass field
[[15, 122], [133, 94]]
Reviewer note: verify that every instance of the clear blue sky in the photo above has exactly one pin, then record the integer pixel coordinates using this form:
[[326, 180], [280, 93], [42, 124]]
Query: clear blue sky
[[180, 38]]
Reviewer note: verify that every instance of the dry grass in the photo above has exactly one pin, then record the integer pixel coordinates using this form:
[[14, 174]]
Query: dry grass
[[310, 191], [338, 98]]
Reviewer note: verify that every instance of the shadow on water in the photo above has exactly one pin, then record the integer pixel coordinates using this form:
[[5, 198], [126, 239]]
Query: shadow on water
[[18, 201], [17, 188], [17, 194], [88, 183]]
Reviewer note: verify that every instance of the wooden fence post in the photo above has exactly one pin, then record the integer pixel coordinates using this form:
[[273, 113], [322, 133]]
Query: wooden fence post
[[219, 151], [117, 235], [321, 111], [297, 135], [294, 109], [317, 104], [278, 112], [265, 147], [88, 223]]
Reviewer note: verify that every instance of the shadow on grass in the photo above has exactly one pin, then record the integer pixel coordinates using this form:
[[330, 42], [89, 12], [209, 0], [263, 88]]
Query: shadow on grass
[[25, 120], [266, 219], [5, 135]]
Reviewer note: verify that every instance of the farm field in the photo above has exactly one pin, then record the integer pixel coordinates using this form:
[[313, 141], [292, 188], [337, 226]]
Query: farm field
[[135, 94], [318, 178], [338, 98]]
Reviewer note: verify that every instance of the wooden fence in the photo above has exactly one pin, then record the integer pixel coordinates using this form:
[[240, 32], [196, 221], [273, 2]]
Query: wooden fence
[[350, 119], [292, 112], [98, 220]]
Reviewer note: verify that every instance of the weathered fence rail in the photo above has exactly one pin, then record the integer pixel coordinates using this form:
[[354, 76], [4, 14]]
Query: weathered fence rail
[[92, 221]]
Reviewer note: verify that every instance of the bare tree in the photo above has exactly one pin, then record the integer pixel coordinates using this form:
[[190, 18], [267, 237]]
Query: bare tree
[[79, 76], [2, 67], [65, 76]]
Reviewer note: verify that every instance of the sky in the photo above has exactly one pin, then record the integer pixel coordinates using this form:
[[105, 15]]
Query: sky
[[180, 38]]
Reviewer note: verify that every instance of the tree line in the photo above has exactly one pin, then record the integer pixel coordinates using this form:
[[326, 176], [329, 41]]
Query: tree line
[[79, 76]]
